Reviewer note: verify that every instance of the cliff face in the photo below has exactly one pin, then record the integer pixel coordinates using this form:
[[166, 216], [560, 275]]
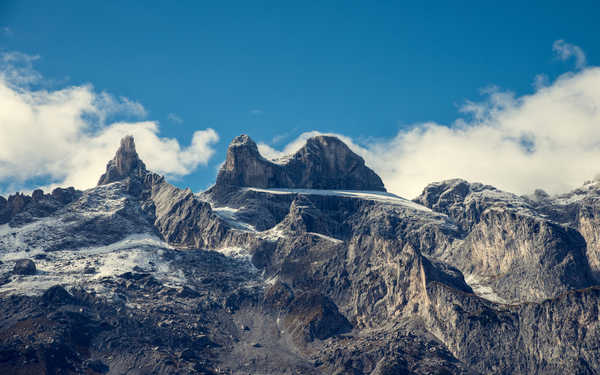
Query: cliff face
[[323, 163], [510, 245], [305, 265]]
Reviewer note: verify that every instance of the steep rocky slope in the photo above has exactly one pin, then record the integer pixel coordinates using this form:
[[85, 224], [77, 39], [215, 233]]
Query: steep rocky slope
[[303, 265], [510, 245]]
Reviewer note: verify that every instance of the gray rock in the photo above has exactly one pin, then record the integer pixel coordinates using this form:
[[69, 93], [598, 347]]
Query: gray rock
[[126, 163], [323, 163], [24, 267], [57, 295]]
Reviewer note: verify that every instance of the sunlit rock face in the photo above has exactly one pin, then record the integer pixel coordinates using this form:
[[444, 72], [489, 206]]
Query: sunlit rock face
[[299, 265], [323, 163], [126, 163]]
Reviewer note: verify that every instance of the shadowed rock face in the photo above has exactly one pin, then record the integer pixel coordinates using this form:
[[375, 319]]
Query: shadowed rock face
[[126, 163], [323, 163]]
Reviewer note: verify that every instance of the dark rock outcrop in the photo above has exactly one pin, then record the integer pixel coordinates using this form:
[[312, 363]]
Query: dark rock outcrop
[[24, 267], [57, 295], [21, 208], [324, 162], [65, 196]]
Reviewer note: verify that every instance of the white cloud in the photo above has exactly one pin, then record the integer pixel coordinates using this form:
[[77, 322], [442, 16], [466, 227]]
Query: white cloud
[[256, 112], [565, 51], [106, 105], [62, 136], [174, 118], [549, 139]]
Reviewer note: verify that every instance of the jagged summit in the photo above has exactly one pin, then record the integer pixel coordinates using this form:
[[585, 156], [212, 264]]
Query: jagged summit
[[126, 163], [324, 162]]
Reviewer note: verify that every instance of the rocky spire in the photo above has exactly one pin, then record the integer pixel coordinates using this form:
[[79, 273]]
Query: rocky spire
[[245, 166], [126, 163], [323, 163]]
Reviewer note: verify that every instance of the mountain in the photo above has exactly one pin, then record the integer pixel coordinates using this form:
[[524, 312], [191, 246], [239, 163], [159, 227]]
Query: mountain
[[302, 265]]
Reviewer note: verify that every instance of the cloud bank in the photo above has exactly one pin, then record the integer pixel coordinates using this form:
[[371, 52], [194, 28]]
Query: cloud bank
[[549, 139], [66, 136]]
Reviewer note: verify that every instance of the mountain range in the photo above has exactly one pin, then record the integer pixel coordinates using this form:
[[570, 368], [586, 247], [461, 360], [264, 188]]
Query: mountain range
[[300, 265]]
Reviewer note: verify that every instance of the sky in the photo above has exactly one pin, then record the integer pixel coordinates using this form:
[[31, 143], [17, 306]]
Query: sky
[[503, 93]]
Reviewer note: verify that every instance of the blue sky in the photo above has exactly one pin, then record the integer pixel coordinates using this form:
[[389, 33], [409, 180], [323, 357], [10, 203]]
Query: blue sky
[[275, 70]]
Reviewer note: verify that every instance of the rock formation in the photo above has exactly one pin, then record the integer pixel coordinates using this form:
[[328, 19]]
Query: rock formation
[[323, 163], [126, 163]]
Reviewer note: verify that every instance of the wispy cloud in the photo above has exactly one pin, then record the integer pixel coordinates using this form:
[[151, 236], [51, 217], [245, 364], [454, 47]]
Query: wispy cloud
[[174, 118], [16, 69], [67, 135], [106, 105], [565, 51], [256, 112], [5, 30]]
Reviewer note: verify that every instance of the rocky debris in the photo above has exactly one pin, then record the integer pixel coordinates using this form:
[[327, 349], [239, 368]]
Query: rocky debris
[[323, 163], [126, 163], [24, 267]]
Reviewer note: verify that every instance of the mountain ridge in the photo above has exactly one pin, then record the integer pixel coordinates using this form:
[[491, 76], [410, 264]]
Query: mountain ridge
[[301, 278]]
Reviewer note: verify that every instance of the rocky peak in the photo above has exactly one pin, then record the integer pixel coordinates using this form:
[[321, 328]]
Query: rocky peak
[[245, 166], [126, 163], [324, 162], [440, 195]]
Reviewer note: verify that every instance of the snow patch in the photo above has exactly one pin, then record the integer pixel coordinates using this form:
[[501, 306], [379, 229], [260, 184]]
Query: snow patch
[[273, 234], [272, 280], [228, 214], [67, 267], [378, 196], [483, 291], [235, 252], [328, 238]]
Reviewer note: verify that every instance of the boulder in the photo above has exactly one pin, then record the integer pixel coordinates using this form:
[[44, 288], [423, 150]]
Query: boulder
[[57, 295], [24, 267]]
